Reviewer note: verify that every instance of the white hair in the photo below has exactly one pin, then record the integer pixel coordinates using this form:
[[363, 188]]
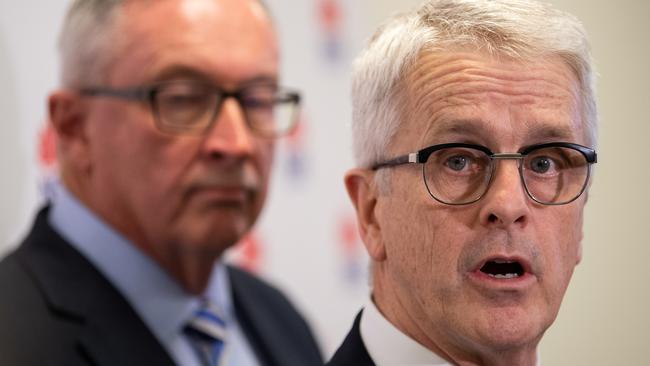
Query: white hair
[[518, 29]]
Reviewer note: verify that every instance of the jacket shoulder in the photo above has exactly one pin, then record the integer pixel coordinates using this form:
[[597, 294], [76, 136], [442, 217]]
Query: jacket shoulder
[[247, 284], [271, 322], [58, 309], [31, 332]]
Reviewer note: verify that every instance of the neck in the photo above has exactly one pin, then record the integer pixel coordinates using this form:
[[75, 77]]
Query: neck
[[191, 269]]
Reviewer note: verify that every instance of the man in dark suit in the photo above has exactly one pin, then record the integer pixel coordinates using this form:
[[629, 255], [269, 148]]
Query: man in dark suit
[[474, 123], [165, 122]]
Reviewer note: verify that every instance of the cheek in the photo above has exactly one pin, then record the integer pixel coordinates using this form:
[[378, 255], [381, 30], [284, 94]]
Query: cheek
[[568, 230], [157, 159], [561, 239], [445, 239], [425, 244], [154, 167], [118, 147], [266, 156], [170, 159]]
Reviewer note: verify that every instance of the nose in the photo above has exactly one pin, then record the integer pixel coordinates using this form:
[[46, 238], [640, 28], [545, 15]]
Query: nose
[[229, 135], [506, 202]]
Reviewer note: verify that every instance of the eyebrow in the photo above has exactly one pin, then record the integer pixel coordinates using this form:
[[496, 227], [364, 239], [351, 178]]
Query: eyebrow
[[536, 130], [543, 131], [465, 127]]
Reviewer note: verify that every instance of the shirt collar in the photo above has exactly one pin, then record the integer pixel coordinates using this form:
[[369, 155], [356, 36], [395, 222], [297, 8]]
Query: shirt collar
[[156, 297], [377, 332]]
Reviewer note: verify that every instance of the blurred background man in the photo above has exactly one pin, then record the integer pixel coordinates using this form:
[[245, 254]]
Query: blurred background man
[[165, 124], [474, 125]]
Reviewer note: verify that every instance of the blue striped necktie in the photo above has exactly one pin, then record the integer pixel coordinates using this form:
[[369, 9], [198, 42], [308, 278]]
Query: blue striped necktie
[[208, 333]]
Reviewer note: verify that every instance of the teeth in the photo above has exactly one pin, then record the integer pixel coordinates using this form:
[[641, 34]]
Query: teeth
[[501, 261], [505, 276]]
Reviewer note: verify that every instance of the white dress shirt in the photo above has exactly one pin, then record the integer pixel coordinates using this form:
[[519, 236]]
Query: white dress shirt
[[155, 296], [388, 346]]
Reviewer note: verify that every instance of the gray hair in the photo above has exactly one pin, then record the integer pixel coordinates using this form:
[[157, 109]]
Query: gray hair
[[89, 40], [519, 29]]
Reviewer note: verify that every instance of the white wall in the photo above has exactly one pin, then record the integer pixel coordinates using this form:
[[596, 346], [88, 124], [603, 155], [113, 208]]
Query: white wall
[[605, 318], [28, 68], [303, 237]]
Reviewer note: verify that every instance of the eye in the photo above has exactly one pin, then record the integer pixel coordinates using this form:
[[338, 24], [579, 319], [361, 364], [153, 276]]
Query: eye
[[254, 102], [541, 164], [183, 96], [184, 100], [259, 98], [457, 162]]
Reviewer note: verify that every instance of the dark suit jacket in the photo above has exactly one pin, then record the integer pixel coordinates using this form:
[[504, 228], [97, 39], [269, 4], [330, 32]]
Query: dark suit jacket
[[352, 351], [57, 309]]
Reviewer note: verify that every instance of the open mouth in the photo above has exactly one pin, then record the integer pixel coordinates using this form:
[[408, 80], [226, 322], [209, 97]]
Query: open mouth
[[503, 269]]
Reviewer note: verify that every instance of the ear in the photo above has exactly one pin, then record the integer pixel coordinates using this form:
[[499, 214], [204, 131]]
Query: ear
[[362, 190], [68, 118]]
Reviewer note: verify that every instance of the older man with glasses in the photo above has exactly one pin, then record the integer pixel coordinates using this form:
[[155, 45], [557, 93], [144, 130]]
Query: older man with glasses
[[474, 124], [166, 123]]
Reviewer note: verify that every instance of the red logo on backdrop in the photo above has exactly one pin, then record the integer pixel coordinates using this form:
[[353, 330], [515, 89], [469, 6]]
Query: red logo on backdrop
[[47, 159], [248, 253], [330, 16], [348, 235], [352, 253]]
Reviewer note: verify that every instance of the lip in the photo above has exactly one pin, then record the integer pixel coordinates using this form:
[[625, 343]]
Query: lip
[[520, 283]]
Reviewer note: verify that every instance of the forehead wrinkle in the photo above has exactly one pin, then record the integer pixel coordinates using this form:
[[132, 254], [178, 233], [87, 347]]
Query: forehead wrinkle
[[439, 82], [470, 85], [435, 71]]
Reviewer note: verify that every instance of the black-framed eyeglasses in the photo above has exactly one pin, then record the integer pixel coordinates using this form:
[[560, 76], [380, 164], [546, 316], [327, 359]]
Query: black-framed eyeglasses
[[553, 173], [191, 107]]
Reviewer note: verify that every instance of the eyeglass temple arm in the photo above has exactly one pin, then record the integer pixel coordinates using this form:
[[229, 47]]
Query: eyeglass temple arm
[[411, 158], [136, 93]]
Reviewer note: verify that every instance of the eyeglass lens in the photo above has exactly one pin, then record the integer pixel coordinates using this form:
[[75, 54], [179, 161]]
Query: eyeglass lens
[[460, 175], [268, 111], [185, 106], [191, 107]]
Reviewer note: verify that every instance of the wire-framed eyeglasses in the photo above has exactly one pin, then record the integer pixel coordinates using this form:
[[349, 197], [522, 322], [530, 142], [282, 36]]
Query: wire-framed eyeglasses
[[553, 173], [191, 107]]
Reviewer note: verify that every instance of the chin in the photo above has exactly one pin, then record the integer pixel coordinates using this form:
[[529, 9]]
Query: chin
[[212, 237], [219, 241], [505, 329]]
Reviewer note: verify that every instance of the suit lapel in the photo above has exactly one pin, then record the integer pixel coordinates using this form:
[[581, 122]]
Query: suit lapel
[[262, 320], [109, 331], [253, 321], [352, 351]]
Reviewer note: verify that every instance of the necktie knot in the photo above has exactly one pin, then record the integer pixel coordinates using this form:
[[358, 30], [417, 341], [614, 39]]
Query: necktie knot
[[207, 331]]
